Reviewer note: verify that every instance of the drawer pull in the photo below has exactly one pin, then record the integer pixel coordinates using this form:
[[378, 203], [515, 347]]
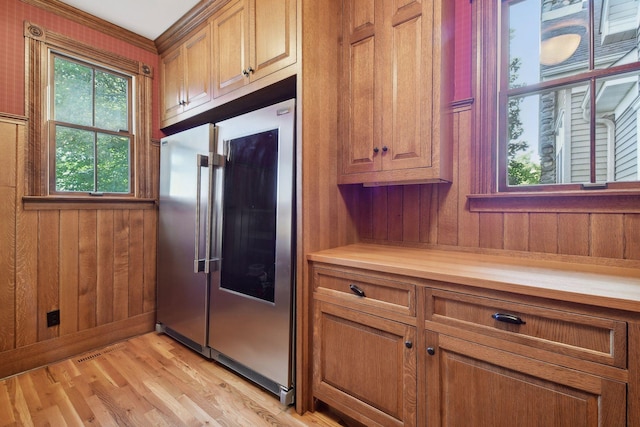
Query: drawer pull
[[508, 318], [356, 290]]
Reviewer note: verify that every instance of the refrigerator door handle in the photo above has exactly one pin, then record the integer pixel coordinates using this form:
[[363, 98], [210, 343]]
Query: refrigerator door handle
[[199, 265], [215, 160]]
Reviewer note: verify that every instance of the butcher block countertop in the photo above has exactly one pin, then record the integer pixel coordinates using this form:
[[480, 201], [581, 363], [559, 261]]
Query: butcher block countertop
[[606, 286]]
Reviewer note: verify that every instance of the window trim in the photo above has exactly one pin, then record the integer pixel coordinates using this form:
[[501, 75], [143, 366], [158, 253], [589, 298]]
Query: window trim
[[38, 46], [485, 193], [129, 133]]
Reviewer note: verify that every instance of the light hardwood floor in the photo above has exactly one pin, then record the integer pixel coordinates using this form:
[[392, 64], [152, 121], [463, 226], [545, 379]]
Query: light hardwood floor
[[149, 380]]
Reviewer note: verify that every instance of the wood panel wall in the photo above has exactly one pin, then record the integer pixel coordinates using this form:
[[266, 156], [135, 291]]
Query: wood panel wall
[[97, 265], [439, 215]]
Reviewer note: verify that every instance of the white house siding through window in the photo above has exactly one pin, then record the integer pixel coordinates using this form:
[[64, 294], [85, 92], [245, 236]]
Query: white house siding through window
[[559, 70]]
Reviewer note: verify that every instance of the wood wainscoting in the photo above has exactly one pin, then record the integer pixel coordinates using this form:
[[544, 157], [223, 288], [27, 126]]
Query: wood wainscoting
[[95, 263]]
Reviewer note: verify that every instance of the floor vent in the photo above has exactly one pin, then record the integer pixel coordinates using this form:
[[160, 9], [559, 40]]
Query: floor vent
[[89, 357], [100, 353]]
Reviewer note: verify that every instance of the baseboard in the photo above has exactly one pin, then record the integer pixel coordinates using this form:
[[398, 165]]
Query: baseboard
[[49, 351]]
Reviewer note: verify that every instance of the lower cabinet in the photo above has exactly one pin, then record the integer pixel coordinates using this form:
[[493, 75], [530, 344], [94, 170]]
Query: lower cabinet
[[501, 389], [396, 350], [365, 366]]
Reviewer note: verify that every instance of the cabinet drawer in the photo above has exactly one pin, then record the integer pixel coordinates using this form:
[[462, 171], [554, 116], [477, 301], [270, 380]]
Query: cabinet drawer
[[365, 292], [586, 337]]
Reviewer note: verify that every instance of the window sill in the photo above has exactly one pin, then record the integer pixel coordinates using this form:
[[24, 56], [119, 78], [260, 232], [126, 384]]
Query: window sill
[[31, 203], [588, 201]]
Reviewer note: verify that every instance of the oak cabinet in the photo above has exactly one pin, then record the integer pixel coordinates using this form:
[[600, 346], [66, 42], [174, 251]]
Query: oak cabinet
[[365, 365], [252, 39], [186, 75], [394, 87], [241, 44], [497, 388], [405, 336], [526, 375]]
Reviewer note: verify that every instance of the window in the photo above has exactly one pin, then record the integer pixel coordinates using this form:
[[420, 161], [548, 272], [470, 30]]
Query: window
[[89, 121], [91, 137], [568, 94]]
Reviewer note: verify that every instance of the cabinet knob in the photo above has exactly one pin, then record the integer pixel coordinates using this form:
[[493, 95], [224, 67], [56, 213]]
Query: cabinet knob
[[248, 71], [431, 351], [376, 150], [385, 148], [408, 344]]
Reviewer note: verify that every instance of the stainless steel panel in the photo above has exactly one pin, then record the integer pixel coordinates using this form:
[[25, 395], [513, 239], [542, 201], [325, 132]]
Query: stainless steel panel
[[254, 327], [183, 286]]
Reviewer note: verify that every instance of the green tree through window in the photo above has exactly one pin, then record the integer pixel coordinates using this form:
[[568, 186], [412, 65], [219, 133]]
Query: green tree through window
[[91, 128]]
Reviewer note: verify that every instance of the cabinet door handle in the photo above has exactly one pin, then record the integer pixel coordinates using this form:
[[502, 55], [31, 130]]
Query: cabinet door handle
[[508, 318], [385, 148], [408, 344], [376, 150], [356, 290], [431, 351]]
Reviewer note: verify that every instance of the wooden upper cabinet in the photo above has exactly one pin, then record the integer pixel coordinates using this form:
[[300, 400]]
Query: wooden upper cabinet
[[272, 36], [231, 47], [186, 75], [252, 39], [394, 94]]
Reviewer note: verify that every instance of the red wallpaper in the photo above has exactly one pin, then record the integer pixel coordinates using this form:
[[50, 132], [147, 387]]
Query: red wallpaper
[[463, 51], [13, 13]]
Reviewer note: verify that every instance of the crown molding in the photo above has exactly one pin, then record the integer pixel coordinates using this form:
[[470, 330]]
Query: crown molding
[[196, 17], [76, 15]]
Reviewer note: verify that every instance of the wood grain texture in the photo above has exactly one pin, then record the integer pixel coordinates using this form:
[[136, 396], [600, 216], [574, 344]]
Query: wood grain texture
[[69, 250], [80, 262], [8, 148], [324, 210], [149, 259], [468, 222], [121, 231], [147, 380], [557, 226], [608, 286], [104, 264], [136, 262], [87, 270], [48, 271], [7, 267]]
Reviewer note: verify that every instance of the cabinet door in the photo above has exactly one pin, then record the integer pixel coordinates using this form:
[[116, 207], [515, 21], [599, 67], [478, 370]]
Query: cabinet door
[[231, 48], [172, 72], [361, 94], [468, 381], [272, 36], [405, 55], [395, 127], [365, 366], [197, 69]]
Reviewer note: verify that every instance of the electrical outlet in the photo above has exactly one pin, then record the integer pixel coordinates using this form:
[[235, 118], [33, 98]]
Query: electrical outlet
[[53, 318]]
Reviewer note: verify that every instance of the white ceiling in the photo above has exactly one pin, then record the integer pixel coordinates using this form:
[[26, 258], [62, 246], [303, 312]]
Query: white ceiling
[[148, 18]]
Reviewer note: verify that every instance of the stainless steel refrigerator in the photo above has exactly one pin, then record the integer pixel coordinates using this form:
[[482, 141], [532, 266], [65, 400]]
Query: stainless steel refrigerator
[[225, 243]]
